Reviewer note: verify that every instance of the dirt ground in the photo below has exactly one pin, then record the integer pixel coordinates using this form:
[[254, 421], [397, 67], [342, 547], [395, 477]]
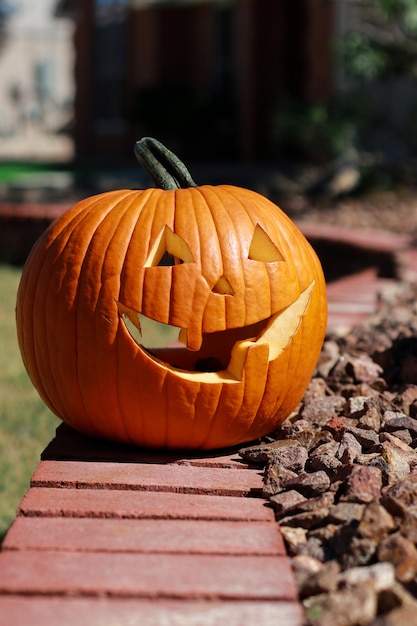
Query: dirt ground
[[395, 211]]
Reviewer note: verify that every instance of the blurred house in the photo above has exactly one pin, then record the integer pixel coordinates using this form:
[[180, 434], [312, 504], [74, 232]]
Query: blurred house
[[36, 76], [202, 75]]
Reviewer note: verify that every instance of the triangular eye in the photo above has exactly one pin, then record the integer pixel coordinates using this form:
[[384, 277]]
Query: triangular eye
[[169, 249], [262, 248]]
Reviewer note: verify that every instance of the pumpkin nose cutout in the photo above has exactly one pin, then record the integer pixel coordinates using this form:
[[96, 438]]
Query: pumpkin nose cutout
[[223, 287]]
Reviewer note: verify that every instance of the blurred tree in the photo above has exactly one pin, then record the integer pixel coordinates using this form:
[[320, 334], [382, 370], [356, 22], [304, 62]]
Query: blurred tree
[[379, 60], [384, 42], [376, 108]]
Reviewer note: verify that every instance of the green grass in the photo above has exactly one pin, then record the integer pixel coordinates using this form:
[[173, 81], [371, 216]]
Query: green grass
[[26, 425], [11, 171]]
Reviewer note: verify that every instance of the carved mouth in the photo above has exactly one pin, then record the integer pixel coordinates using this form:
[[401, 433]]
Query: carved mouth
[[222, 354]]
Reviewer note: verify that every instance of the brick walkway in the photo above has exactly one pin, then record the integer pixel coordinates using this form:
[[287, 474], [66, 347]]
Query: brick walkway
[[144, 538], [385, 258], [107, 534]]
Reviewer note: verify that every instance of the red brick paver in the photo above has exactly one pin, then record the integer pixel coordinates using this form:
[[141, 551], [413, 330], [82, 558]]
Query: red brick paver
[[353, 298], [147, 477], [146, 536], [87, 611], [104, 503], [122, 575], [161, 539]]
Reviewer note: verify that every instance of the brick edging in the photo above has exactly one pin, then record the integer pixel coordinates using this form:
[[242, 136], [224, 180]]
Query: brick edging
[[146, 534]]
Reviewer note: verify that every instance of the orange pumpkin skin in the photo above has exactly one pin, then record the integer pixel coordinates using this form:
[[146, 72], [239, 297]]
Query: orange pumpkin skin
[[92, 265]]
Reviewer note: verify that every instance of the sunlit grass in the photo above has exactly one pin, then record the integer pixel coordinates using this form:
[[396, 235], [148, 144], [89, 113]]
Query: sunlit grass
[[12, 171], [26, 425]]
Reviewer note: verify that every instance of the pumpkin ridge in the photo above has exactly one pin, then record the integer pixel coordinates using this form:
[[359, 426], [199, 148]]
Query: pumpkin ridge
[[225, 222], [121, 235], [216, 417], [72, 229], [206, 251], [36, 262], [229, 189], [259, 202], [53, 257], [202, 229], [199, 421], [122, 207]]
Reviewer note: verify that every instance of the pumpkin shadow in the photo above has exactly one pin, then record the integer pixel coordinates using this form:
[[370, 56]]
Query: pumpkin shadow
[[341, 258], [399, 361], [70, 445]]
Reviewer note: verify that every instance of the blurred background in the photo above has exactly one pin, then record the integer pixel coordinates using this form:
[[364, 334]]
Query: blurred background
[[276, 83]]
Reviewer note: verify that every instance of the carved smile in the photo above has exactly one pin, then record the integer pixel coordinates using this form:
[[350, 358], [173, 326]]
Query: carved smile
[[222, 354]]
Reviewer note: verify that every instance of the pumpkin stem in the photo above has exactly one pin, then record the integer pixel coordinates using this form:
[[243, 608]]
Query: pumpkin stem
[[166, 169]]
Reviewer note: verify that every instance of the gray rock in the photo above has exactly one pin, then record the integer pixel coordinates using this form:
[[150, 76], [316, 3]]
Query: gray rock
[[367, 438], [304, 566], [403, 435], [263, 452], [321, 410], [325, 533], [360, 551], [399, 443], [402, 553], [376, 522], [353, 606], [313, 547], [401, 616], [276, 479], [356, 406], [329, 356], [317, 388], [293, 537], [325, 580], [380, 575], [286, 500], [324, 458], [291, 457], [408, 524], [344, 512], [395, 597], [310, 484], [349, 449], [399, 421], [309, 517], [371, 419], [401, 495], [363, 484], [398, 460], [302, 431]]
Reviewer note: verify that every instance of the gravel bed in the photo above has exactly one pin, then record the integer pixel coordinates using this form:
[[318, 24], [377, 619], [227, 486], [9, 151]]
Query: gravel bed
[[341, 473]]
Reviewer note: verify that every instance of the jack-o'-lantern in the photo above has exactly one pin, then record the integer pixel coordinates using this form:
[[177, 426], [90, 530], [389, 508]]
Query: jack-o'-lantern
[[222, 264]]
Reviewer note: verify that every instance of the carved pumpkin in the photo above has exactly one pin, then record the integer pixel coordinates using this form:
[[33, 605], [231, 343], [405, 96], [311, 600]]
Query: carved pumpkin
[[222, 264]]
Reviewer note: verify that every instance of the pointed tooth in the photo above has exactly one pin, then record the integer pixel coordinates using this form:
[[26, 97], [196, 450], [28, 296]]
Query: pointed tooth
[[182, 336], [133, 326], [238, 357]]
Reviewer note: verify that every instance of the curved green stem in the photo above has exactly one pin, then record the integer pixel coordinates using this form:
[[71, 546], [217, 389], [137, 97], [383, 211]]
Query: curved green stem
[[166, 169]]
